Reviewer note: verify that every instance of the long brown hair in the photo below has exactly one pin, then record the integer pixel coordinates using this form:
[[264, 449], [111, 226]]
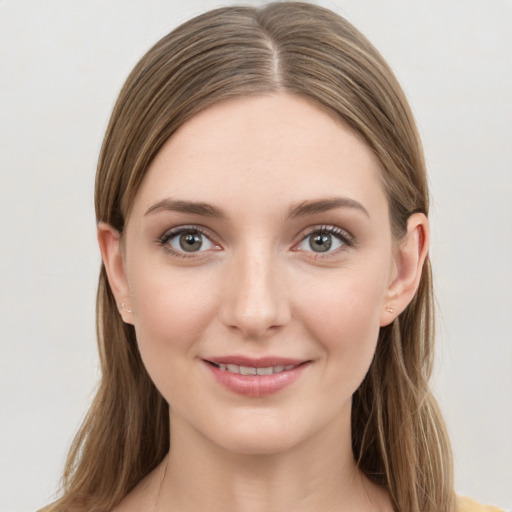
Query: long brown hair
[[398, 435]]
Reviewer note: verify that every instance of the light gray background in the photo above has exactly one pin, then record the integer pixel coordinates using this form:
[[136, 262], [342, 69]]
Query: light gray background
[[62, 64]]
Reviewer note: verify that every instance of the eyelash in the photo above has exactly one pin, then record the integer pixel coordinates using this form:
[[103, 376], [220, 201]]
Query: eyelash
[[175, 232], [345, 238]]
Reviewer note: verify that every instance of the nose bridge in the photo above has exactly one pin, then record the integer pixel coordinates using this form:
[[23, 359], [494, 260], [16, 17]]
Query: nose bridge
[[255, 300]]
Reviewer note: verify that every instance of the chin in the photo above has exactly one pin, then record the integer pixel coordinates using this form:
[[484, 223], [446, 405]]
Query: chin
[[260, 433], [258, 442]]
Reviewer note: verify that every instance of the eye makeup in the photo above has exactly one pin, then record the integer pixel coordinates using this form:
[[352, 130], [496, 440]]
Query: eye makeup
[[193, 241], [325, 239], [187, 241]]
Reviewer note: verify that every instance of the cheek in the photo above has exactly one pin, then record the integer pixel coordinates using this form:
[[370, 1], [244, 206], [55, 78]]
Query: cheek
[[344, 320], [172, 311]]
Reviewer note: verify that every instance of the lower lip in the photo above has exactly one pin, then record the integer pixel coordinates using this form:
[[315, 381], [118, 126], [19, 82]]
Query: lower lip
[[256, 385]]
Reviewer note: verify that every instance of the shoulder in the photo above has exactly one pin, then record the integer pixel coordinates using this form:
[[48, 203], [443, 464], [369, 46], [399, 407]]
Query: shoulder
[[465, 504]]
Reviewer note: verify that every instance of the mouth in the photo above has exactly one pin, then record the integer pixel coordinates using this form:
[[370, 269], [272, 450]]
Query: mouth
[[256, 377], [253, 370]]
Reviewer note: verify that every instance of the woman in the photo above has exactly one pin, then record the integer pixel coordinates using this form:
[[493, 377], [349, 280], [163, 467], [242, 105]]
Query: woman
[[265, 301]]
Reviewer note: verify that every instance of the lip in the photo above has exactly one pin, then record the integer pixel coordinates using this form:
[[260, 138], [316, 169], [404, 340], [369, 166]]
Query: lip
[[256, 386], [260, 362]]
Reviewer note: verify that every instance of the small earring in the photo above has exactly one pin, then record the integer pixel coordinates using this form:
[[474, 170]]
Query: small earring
[[390, 310], [122, 306]]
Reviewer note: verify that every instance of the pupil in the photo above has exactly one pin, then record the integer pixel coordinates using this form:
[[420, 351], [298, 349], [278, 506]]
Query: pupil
[[321, 243], [190, 242]]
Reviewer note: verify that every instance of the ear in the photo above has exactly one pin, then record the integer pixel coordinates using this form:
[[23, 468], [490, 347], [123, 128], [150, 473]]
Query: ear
[[110, 244], [410, 255]]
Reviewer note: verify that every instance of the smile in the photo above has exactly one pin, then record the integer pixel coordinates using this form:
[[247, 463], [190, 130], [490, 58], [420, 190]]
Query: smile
[[255, 377], [251, 370]]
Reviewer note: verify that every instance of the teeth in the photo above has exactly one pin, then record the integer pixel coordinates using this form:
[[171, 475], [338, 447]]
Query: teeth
[[249, 370], [265, 371]]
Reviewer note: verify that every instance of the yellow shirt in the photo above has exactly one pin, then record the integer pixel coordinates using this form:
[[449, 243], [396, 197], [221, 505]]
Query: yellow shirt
[[465, 504]]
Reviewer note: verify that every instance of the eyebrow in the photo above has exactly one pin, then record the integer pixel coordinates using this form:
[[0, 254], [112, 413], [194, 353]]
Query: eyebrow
[[324, 205], [299, 210], [203, 209]]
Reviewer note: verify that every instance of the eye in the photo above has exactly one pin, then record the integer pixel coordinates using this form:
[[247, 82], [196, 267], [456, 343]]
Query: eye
[[325, 239], [186, 240]]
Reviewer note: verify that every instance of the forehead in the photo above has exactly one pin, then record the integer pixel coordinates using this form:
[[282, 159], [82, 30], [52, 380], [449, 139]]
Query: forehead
[[243, 150]]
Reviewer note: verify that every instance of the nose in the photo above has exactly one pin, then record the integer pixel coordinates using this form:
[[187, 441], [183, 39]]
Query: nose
[[255, 302]]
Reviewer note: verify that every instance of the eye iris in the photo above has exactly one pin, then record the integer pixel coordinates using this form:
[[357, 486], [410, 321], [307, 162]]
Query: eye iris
[[190, 242], [320, 242]]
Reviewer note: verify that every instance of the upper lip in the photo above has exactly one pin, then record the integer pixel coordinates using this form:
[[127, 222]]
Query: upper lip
[[261, 362]]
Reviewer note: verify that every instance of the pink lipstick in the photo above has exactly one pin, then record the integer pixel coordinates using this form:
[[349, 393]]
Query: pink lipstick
[[255, 377]]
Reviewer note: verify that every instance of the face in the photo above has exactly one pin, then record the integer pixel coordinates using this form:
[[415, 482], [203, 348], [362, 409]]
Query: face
[[257, 264]]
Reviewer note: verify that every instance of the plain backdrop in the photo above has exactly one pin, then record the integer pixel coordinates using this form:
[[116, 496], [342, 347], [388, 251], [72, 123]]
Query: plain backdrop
[[62, 64]]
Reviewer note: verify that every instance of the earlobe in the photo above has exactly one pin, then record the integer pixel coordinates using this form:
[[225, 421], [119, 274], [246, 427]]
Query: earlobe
[[411, 253], [109, 241]]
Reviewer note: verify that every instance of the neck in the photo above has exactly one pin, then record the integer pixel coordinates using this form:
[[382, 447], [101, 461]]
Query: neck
[[319, 474]]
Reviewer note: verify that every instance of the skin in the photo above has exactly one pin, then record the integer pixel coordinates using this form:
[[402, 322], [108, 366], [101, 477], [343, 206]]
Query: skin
[[257, 287]]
